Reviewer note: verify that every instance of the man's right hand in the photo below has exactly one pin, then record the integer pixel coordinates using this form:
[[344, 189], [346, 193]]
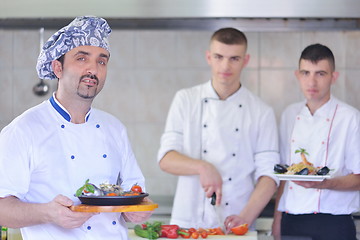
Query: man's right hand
[[211, 181], [60, 214]]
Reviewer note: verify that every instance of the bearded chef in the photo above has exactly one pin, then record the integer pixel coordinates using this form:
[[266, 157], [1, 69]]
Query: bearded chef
[[329, 130], [220, 138], [49, 151]]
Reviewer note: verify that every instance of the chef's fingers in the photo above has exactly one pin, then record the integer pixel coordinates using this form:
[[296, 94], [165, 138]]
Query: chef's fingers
[[147, 199], [233, 221], [137, 217], [63, 200], [218, 196]]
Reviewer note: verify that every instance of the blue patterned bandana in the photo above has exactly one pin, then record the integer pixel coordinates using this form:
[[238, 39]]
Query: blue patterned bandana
[[82, 31]]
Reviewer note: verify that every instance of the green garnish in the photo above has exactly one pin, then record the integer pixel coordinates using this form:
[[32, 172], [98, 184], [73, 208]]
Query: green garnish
[[87, 187]]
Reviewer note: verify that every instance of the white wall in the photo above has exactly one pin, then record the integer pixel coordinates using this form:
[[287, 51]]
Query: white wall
[[147, 68]]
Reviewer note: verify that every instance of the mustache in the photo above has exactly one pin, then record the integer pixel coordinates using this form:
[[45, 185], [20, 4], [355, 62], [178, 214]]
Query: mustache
[[91, 76]]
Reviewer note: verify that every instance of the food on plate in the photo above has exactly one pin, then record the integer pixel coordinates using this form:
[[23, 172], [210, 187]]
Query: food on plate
[[280, 168], [241, 229], [302, 168], [303, 152], [106, 189], [136, 188], [323, 171]]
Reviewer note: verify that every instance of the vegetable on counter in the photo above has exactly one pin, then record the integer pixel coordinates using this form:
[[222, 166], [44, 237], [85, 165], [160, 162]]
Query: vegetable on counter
[[240, 230], [158, 230], [215, 231], [173, 231], [147, 230]]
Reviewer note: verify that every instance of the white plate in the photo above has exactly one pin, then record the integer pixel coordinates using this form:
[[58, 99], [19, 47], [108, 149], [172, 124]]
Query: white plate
[[301, 177]]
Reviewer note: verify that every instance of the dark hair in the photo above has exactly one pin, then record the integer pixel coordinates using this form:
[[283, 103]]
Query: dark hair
[[61, 59], [317, 52], [229, 36]]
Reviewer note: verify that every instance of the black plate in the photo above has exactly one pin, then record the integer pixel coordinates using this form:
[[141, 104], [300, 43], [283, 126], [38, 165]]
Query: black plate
[[112, 200]]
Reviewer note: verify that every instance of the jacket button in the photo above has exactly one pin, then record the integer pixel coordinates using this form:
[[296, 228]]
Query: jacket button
[[230, 179], [234, 154], [240, 106], [205, 125], [205, 151]]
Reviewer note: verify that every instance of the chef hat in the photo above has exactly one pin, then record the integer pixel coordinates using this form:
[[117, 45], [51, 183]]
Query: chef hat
[[85, 30]]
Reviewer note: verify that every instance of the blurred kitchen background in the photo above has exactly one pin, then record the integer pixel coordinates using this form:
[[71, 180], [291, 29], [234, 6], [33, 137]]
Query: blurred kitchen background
[[158, 47]]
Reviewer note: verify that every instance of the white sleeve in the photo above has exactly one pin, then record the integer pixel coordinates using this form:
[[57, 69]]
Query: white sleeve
[[172, 138], [267, 146]]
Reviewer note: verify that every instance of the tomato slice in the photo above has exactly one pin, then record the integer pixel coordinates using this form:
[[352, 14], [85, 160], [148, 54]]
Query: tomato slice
[[241, 229]]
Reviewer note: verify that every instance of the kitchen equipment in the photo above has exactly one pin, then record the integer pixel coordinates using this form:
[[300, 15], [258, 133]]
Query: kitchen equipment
[[41, 88], [218, 213], [112, 200]]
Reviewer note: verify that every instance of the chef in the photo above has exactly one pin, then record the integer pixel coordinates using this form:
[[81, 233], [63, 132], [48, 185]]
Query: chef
[[49, 151], [220, 138], [329, 131]]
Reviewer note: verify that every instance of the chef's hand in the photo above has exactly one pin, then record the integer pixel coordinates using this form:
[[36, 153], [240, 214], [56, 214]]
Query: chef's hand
[[58, 212], [138, 217], [312, 184], [211, 181], [233, 221]]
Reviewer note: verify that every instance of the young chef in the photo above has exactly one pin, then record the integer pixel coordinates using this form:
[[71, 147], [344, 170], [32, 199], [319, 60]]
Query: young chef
[[49, 151], [220, 138], [329, 130]]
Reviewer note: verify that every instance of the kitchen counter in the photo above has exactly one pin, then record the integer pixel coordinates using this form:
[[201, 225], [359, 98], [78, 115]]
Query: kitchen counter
[[252, 235]]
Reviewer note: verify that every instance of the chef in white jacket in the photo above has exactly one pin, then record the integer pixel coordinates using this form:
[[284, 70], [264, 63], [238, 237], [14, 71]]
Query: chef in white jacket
[[50, 150], [329, 130], [220, 138]]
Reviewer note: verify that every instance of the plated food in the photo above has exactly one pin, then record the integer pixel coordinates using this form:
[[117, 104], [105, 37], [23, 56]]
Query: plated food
[[109, 194], [305, 169], [106, 189]]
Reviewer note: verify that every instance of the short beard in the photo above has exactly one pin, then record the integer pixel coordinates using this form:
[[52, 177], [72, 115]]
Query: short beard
[[87, 96]]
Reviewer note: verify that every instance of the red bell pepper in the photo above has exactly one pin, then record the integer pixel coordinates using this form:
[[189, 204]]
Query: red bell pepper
[[172, 231]]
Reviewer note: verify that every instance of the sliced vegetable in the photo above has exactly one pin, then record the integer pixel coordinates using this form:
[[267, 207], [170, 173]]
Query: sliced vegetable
[[240, 230]]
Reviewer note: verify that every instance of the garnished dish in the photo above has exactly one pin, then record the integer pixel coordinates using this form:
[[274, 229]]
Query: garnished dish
[[302, 171], [109, 194]]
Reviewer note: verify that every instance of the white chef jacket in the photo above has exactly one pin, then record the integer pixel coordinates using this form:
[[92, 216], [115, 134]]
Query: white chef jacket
[[43, 154], [237, 135], [332, 138]]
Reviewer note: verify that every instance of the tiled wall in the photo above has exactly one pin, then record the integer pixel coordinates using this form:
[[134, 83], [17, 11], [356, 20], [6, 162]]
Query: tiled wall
[[148, 67]]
